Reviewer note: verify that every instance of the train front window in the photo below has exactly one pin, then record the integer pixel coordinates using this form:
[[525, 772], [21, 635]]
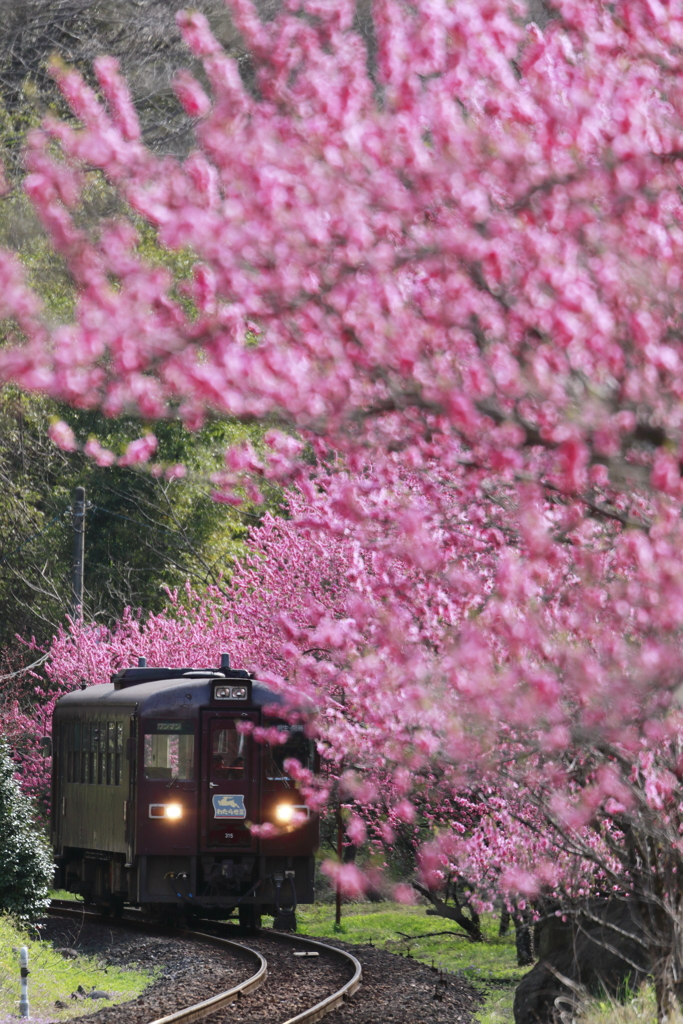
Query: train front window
[[229, 753], [297, 745], [169, 750]]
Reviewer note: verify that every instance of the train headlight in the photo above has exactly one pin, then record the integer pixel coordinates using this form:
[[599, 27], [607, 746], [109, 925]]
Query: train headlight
[[284, 813], [291, 814], [172, 812]]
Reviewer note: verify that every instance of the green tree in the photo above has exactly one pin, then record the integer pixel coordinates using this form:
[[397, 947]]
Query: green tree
[[26, 867], [143, 533]]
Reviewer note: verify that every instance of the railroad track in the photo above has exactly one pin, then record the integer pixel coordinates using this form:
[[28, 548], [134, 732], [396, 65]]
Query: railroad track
[[207, 1007]]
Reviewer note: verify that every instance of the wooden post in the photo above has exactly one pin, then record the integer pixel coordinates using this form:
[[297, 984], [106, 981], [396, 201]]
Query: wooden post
[[340, 852], [78, 515]]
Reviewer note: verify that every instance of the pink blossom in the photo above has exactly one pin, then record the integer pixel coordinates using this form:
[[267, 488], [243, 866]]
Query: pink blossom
[[450, 283], [403, 893], [102, 456], [190, 93], [63, 436], [350, 879], [139, 451]]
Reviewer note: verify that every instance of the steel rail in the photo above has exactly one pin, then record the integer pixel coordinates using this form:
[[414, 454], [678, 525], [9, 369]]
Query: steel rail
[[191, 1013], [337, 998], [68, 908]]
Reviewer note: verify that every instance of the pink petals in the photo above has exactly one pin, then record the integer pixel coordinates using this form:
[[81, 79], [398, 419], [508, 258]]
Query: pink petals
[[63, 436], [190, 93], [453, 292], [102, 456], [139, 451]]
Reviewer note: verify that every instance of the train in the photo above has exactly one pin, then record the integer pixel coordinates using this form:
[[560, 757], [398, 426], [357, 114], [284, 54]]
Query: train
[[157, 782]]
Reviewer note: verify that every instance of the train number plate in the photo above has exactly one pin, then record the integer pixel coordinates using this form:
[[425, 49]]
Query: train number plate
[[229, 837]]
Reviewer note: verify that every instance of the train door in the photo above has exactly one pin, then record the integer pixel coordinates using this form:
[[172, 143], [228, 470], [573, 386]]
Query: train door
[[230, 783]]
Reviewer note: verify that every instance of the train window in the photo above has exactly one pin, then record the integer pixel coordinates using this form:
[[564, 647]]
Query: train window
[[169, 750], [85, 750], [76, 751], [119, 752], [102, 754], [92, 756], [229, 752], [297, 745], [111, 751], [63, 752], [68, 746]]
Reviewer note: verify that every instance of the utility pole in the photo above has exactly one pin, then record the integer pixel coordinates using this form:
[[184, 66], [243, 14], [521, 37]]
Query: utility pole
[[78, 517]]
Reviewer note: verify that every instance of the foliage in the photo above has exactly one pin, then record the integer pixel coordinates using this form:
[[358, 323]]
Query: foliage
[[451, 265], [53, 977], [142, 33], [143, 533], [26, 869]]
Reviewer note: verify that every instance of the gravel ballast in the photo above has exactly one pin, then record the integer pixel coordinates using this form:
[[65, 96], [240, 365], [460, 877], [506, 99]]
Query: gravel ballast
[[189, 971], [395, 989], [400, 990]]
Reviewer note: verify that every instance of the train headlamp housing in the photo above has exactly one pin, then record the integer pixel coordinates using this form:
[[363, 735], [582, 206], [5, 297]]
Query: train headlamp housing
[[231, 692], [171, 812], [291, 815]]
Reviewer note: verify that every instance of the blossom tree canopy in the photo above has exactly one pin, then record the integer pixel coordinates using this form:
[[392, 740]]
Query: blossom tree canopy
[[447, 269]]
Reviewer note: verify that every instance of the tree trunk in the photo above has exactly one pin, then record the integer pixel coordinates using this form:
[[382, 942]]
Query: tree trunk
[[664, 932], [441, 909], [523, 938]]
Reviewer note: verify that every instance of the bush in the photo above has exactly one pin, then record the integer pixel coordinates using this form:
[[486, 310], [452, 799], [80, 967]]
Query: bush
[[26, 867]]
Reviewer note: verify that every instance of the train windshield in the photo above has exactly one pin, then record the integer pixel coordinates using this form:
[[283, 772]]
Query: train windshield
[[169, 750], [229, 752], [297, 745]]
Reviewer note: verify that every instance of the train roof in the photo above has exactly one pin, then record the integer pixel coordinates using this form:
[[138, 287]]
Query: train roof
[[189, 691]]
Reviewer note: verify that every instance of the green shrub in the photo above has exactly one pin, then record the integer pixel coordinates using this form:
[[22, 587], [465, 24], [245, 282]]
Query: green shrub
[[26, 867]]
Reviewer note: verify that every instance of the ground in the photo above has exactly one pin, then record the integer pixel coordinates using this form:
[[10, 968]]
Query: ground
[[54, 976], [491, 966]]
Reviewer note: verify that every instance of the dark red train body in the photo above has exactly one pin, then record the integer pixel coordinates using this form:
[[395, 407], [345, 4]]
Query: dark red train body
[[156, 782]]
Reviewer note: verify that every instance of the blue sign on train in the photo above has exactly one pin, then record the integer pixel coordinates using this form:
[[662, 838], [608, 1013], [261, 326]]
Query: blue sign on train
[[229, 806]]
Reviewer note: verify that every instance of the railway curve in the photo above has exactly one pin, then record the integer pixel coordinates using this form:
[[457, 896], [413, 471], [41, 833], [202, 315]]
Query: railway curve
[[286, 985]]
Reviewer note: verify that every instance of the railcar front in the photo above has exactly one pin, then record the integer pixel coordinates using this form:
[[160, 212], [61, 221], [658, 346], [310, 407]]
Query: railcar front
[[157, 780]]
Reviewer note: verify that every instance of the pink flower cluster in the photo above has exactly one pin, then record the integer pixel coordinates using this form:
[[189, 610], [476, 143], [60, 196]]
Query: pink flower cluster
[[451, 274]]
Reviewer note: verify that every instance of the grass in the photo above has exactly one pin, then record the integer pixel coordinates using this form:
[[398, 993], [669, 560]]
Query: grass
[[491, 966], [52, 977], [641, 1008]]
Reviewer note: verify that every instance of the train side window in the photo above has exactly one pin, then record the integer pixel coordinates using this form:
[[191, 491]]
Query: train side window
[[297, 745], [119, 752], [169, 750], [63, 752], [67, 733], [111, 751], [92, 755], [76, 752], [229, 753], [102, 754], [85, 750]]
